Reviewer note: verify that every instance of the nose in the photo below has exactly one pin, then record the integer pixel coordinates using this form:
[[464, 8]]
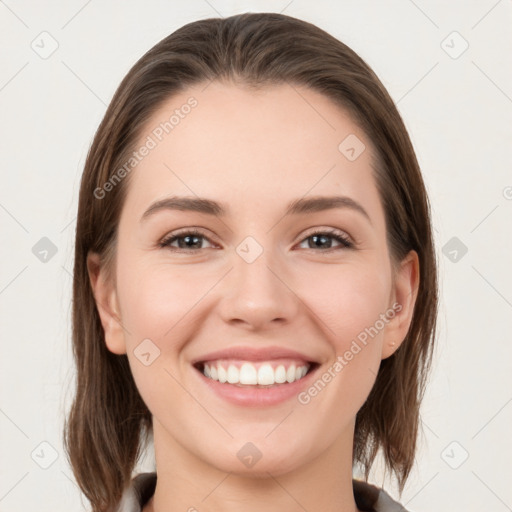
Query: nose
[[258, 295]]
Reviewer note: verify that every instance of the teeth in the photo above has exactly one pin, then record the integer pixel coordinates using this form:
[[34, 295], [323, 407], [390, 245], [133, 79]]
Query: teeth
[[250, 375], [280, 374], [223, 375], [233, 374], [266, 375], [290, 374]]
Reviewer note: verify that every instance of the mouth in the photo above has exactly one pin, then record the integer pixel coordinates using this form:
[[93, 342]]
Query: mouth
[[255, 374], [250, 376]]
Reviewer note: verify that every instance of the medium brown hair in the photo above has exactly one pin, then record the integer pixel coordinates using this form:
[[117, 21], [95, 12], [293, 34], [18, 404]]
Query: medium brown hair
[[108, 424]]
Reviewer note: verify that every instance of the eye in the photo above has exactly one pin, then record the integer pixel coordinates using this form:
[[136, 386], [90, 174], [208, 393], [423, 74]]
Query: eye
[[323, 239], [190, 240]]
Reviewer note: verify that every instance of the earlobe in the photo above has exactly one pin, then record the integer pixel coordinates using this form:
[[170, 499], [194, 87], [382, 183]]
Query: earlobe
[[105, 297], [403, 301]]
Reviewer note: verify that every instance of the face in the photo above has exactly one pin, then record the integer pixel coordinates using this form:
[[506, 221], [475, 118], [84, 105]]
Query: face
[[260, 281]]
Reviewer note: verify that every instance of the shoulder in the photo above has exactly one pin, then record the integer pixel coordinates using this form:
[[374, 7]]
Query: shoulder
[[368, 497], [138, 493]]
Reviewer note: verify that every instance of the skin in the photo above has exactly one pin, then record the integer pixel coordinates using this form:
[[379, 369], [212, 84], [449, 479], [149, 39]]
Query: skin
[[255, 152]]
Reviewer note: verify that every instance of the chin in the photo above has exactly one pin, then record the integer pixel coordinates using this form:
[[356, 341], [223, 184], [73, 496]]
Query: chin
[[257, 459]]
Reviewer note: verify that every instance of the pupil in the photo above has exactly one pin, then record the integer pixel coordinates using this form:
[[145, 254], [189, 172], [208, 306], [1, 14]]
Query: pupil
[[187, 240], [322, 239]]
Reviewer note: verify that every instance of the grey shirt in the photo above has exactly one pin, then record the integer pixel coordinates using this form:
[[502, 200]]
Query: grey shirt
[[368, 497]]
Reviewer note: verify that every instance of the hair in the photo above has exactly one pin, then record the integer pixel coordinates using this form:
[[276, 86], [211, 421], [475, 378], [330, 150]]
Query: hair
[[108, 423]]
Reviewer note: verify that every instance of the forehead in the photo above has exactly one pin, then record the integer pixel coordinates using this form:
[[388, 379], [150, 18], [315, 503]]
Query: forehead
[[272, 145]]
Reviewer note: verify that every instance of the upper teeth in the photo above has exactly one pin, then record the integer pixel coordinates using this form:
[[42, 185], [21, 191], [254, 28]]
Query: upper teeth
[[249, 374]]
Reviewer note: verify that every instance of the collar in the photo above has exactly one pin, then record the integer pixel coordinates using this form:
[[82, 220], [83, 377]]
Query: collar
[[368, 497]]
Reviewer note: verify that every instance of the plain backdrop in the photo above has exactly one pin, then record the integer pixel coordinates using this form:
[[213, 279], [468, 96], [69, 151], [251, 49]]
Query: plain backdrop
[[447, 65]]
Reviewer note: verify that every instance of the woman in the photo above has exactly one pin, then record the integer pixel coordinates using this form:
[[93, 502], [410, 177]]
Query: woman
[[255, 280]]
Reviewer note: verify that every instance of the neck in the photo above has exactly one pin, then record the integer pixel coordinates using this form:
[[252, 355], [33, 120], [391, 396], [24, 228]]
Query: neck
[[188, 483]]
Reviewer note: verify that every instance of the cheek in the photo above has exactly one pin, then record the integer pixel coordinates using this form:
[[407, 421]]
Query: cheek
[[347, 299], [347, 302], [157, 299], [158, 303]]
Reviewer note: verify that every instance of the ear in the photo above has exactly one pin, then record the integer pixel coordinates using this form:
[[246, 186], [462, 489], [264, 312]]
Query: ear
[[403, 299], [107, 304]]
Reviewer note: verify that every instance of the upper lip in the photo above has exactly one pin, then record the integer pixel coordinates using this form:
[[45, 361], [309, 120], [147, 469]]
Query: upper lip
[[253, 354]]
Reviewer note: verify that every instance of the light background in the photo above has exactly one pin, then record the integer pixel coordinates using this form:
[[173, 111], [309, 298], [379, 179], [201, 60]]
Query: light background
[[458, 110]]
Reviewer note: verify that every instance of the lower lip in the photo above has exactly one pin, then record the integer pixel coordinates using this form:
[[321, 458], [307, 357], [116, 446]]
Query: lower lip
[[257, 397]]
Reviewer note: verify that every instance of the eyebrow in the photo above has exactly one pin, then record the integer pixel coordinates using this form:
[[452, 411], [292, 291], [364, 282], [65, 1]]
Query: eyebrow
[[297, 207]]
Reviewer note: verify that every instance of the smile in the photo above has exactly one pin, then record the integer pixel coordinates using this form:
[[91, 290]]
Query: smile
[[249, 373], [251, 376]]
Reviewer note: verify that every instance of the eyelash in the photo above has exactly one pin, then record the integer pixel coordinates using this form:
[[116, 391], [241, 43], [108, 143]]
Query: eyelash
[[333, 233]]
